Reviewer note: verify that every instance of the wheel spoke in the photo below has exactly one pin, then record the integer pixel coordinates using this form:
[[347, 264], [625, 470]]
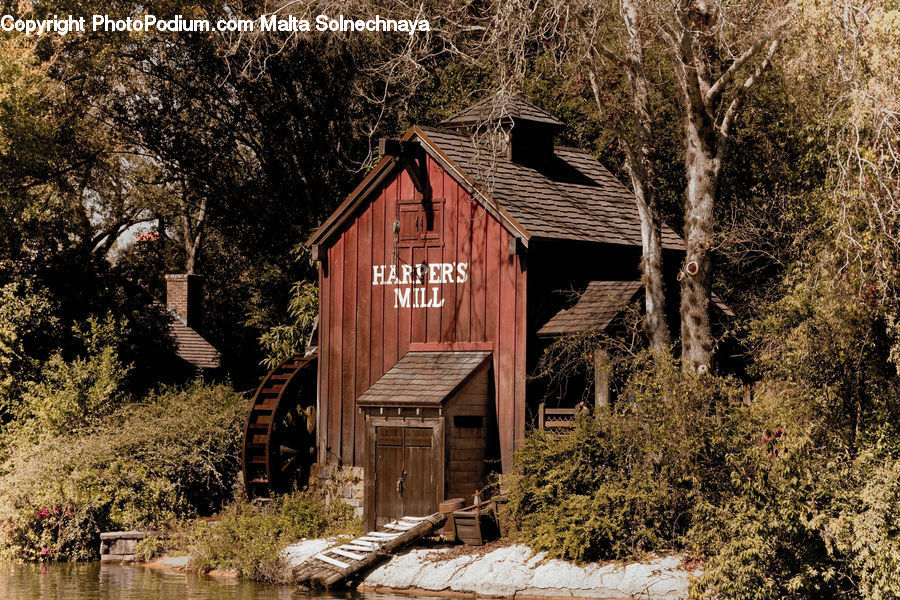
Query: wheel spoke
[[288, 463]]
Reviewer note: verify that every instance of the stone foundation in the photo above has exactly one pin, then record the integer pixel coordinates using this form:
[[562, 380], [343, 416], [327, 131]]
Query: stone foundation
[[345, 484]]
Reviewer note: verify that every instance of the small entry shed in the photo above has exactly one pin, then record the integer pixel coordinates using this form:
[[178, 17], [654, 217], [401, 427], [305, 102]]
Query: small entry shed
[[429, 427]]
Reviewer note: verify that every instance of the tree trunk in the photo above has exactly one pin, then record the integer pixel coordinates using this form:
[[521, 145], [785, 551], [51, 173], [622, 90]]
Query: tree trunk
[[193, 235], [656, 326], [640, 167], [702, 165]]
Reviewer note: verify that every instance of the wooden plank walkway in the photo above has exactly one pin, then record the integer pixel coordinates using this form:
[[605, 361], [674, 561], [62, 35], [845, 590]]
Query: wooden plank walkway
[[337, 565]]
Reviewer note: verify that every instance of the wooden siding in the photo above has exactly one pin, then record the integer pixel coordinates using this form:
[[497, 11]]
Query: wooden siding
[[468, 448], [362, 334]]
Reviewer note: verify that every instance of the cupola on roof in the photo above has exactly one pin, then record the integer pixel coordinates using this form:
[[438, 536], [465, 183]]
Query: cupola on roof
[[498, 108]]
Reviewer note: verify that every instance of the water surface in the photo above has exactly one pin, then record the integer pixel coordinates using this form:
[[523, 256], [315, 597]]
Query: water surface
[[93, 581]]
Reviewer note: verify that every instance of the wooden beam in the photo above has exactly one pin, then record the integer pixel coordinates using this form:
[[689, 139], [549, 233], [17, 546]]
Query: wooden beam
[[601, 378], [515, 247]]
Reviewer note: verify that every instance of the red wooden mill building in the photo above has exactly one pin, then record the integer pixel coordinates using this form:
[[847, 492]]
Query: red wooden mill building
[[436, 298]]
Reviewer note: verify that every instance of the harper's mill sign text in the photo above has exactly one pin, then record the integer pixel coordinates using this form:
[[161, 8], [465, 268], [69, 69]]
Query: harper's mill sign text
[[423, 282]]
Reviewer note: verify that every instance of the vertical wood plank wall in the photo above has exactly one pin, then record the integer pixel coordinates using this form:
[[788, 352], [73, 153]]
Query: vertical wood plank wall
[[362, 335]]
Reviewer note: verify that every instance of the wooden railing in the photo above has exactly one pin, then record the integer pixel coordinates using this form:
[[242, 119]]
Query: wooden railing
[[554, 419]]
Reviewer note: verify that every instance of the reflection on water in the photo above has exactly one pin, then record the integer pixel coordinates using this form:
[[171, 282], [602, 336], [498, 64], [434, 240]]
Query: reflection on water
[[93, 581]]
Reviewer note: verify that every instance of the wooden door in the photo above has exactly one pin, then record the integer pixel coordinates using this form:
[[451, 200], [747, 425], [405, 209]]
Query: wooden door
[[405, 475], [388, 471], [418, 462]]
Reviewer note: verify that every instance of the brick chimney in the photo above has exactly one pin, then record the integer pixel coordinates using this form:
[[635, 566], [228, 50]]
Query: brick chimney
[[184, 296]]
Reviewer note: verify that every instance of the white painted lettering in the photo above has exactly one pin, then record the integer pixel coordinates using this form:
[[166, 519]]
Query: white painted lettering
[[418, 278], [434, 272], [462, 271], [392, 276], [434, 302], [401, 297], [378, 275], [447, 273]]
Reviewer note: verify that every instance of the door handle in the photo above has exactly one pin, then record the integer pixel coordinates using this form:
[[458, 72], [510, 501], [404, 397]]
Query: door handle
[[400, 482]]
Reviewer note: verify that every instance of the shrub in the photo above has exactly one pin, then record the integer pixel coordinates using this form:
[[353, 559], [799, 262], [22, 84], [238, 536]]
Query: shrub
[[26, 318], [174, 456], [867, 526], [767, 538], [248, 538], [802, 514], [626, 482]]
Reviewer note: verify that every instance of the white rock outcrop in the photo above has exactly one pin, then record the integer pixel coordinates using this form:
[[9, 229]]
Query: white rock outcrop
[[513, 571]]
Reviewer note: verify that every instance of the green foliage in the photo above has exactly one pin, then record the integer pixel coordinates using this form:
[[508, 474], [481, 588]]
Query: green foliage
[[70, 395], [149, 548], [866, 529], [26, 316], [825, 339], [800, 522], [625, 482], [768, 535], [249, 538], [283, 341], [171, 457], [808, 509], [49, 533]]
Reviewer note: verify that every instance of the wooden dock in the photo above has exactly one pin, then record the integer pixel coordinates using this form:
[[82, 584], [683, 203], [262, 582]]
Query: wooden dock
[[340, 564]]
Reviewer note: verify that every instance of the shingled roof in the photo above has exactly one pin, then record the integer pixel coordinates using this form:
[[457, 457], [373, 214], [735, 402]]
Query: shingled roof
[[491, 109], [599, 304], [595, 309], [192, 347], [570, 196], [423, 378], [574, 197]]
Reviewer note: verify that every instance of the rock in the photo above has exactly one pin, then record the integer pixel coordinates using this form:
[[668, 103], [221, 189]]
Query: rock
[[515, 571], [176, 561], [298, 553]]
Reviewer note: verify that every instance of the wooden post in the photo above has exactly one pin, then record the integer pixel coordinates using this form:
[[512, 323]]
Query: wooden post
[[541, 416], [601, 379]]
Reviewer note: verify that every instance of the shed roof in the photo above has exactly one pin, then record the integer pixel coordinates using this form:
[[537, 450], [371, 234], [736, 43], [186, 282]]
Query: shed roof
[[599, 304], [492, 109], [193, 347], [573, 197], [596, 307], [423, 378]]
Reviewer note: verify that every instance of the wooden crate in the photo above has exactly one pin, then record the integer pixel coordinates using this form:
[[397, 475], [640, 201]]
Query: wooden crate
[[476, 525]]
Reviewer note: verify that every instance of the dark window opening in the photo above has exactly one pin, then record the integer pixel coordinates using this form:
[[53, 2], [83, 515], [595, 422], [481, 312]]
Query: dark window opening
[[468, 421]]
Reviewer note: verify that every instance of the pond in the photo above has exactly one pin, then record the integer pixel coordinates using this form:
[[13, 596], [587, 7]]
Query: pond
[[93, 581]]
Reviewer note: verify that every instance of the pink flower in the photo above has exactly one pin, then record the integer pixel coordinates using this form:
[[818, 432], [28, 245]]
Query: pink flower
[[44, 552]]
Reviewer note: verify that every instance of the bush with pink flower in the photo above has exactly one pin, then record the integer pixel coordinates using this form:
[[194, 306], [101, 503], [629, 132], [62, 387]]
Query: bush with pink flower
[[173, 456]]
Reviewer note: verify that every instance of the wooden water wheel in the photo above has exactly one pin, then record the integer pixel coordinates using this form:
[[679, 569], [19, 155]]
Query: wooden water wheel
[[279, 435]]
